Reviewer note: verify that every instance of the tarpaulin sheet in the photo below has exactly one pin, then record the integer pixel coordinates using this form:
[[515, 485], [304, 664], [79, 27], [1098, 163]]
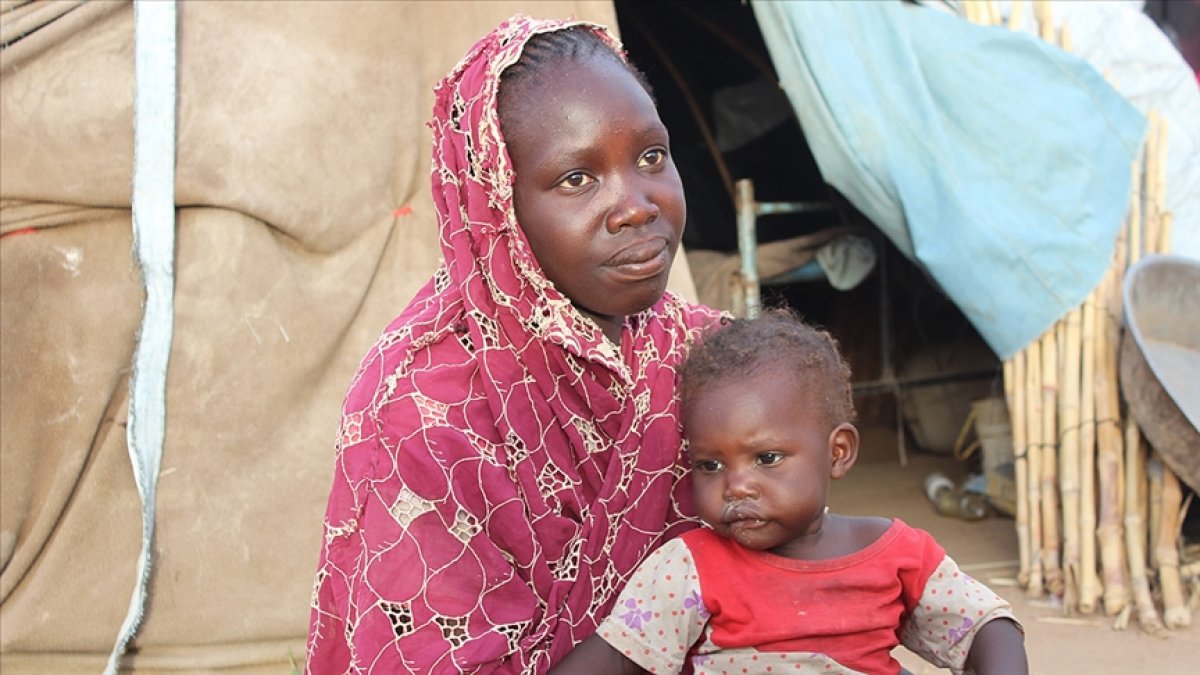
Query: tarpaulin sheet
[[304, 224], [997, 162]]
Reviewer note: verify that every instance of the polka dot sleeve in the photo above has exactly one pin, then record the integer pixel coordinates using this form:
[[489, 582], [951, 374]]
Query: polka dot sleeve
[[660, 614], [952, 609]]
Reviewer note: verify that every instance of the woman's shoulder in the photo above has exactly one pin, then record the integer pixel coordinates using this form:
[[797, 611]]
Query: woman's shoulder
[[415, 346]]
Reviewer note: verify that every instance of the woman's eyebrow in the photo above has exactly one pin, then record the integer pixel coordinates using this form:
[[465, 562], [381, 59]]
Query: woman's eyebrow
[[654, 128]]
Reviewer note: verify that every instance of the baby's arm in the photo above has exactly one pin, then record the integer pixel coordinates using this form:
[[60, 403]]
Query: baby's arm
[[952, 615], [999, 647], [662, 598], [594, 655]]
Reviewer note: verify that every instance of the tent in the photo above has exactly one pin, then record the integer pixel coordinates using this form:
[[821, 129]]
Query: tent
[[303, 225]]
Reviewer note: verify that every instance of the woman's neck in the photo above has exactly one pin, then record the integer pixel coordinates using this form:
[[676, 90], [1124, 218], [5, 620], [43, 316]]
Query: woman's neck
[[610, 325]]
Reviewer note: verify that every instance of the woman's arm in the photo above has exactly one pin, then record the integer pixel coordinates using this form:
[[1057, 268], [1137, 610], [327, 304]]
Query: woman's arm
[[594, 655], [999, 647]]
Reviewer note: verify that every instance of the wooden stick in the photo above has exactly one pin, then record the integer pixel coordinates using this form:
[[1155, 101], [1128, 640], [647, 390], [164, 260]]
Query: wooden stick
[[1016, 14], [1109, 458], [1154, 482], [1069, 463], [1089, 582], [1033, 453], [1168, 520], [1160, 174], [1175, 610], [1051, 547], [1014, 387], [1135, 529], [971, 11], [1135, 215], [1164, 232], [1045, 22], [1141, 207], [1159, 240], [991, 13]]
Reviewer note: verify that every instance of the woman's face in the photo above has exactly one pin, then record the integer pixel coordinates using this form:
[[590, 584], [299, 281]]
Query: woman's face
[[597, 193], [762, 459]]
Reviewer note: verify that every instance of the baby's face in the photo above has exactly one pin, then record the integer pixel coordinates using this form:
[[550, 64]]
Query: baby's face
[[597, 193], [761, 459]]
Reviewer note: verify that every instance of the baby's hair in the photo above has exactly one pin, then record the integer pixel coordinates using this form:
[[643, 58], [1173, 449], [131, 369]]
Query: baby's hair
[[777, 339], [575, 43]]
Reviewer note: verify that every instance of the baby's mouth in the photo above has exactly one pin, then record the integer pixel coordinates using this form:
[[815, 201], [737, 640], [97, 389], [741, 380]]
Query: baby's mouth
[[740, 516]]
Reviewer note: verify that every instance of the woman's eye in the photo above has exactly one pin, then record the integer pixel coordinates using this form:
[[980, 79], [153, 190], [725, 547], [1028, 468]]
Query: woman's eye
[[654, 157], [576, 179], [707, 466], [769, 458]]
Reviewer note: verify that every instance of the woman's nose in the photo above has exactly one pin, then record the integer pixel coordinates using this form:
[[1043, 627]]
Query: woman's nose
[[634, 207]]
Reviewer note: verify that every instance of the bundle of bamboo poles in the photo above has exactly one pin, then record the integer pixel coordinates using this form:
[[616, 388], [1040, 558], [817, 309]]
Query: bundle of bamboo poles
[[1098, 517]]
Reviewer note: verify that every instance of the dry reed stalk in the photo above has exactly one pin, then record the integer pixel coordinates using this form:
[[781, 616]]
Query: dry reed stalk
[[991, 14], [1089, 581], [1135, 217], [1154, 482], [1014, 388], [1159, 241], [1044, 20], [1033, 454], [1109, 458], [1069, 461], [1176, 613], [1152, 205], [1159, 193], [971, 11], [1051, 543], [1164, 232], [1135, 529], [1015, 14], [1141, 209], [1168, 520]]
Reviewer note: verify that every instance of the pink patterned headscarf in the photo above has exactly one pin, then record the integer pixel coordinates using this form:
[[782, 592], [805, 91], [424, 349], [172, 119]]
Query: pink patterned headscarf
[[501, 466]]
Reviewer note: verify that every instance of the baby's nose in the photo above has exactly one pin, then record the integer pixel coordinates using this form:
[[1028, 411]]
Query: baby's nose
[[739, 486]]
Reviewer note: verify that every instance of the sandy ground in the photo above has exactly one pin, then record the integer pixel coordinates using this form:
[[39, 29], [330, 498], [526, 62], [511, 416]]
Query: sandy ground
[[987, 549]]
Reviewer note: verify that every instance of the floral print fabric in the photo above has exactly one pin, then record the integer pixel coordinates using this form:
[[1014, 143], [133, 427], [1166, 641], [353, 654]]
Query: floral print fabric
[[501, 466]]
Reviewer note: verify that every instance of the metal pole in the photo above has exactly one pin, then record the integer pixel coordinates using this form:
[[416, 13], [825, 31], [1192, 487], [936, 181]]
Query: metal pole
[[747, 211]]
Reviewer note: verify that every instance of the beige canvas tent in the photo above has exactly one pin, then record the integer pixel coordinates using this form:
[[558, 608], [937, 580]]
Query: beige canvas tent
[[304, 223]]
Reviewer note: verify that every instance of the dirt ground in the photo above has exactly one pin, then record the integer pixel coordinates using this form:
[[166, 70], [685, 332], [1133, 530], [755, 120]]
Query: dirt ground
[[987, 549]]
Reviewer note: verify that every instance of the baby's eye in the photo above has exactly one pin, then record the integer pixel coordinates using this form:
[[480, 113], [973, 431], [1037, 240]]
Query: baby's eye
[[769, 458], [653, 157], [707, 466], [575, 179]]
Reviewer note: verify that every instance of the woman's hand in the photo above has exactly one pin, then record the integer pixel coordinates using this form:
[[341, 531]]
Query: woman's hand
[[998, 648], [594, 655]]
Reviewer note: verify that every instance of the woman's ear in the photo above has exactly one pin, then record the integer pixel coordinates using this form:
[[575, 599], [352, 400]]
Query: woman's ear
[[843, 449]]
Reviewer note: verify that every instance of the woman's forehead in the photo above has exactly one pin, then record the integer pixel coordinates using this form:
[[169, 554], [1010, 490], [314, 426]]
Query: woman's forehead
[[570, 90]]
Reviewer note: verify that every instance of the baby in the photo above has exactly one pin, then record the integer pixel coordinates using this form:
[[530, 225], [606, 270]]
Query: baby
[[777, 583]]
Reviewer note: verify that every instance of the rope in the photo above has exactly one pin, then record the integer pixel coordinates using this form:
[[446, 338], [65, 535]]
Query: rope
[[154, 245]]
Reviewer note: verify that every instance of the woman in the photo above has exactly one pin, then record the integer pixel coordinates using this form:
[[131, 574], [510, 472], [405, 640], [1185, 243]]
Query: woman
[[510, 448]]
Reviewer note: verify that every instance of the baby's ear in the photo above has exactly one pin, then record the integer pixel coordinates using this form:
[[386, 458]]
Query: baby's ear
[[843, 449]]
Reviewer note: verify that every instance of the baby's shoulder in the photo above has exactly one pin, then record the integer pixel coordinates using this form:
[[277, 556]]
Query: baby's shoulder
[[866, 530]]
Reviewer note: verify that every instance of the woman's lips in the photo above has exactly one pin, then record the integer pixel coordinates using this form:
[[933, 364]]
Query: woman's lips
[[642, 260]]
